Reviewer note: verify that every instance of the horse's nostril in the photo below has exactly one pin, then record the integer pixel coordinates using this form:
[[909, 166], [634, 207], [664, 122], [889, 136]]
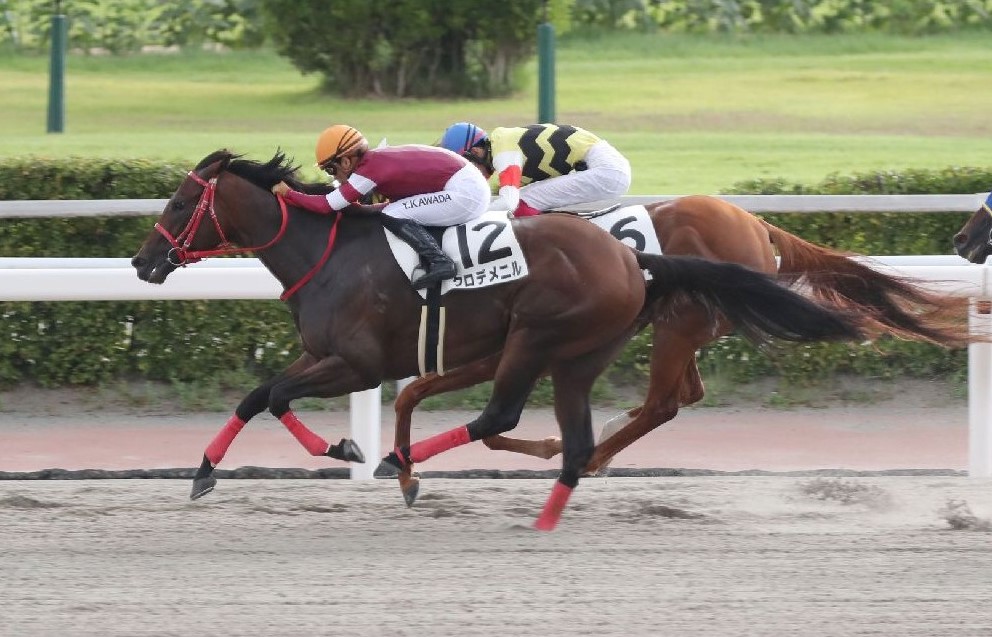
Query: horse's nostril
[[960, 238]]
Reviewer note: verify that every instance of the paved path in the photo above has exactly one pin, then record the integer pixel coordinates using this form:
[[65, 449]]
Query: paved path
[[859, 438]]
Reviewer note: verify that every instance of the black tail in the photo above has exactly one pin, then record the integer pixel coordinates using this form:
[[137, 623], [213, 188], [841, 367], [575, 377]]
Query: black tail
[[757, 306]]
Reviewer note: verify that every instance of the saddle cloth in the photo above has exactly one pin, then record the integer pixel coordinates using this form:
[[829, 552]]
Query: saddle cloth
[[485, 250], [631, 225]]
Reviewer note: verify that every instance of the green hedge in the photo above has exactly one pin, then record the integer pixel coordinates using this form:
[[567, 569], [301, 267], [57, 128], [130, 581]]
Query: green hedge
[[87, 343]]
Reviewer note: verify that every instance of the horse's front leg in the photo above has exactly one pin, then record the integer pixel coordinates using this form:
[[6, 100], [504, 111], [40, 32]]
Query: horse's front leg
[[306, 377], [250, 406], [327, 378]]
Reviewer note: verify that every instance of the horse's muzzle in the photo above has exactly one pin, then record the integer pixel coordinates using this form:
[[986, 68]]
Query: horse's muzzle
[[150, 272]]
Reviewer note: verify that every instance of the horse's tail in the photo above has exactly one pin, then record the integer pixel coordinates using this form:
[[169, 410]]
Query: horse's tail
[[757, 305], [890, 304]]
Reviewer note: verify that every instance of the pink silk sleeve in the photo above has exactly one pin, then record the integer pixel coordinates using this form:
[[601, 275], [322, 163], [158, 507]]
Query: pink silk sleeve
[[313, 203]]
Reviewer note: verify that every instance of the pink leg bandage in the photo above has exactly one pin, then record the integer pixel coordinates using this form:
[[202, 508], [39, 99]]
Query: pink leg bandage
[[219, 445], [434, 445], [549, 517], [313, 443]]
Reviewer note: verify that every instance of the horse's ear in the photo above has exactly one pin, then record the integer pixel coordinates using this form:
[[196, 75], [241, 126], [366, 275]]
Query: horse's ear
[[216, 161], [225, 160]]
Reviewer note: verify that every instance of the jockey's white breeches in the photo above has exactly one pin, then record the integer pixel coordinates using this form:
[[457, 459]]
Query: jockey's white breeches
[[607, 177], [465, 196]]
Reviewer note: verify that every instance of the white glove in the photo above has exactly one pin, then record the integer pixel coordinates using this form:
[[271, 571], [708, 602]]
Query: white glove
[[509, 197]]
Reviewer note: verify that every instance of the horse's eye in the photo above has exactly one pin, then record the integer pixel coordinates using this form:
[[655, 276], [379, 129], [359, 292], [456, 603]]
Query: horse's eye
[[178, 205]]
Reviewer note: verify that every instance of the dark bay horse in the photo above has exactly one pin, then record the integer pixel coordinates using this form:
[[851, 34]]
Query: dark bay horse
[[357, 314], [717, 230], [974, 240]]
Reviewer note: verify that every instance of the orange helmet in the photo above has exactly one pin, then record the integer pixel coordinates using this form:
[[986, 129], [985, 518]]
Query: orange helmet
[[339, 141]]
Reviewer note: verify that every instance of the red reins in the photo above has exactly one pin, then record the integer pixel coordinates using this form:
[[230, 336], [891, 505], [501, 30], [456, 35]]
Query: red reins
[[180, 254]]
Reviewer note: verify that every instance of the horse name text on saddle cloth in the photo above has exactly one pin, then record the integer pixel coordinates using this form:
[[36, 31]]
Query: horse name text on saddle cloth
[[485, 250]]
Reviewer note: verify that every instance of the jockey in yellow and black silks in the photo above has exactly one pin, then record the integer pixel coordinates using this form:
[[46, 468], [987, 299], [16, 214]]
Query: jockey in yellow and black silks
[[542, 166]]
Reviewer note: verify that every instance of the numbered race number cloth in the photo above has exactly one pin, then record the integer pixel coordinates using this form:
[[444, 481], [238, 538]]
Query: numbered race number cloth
[[631, 225], [485, 251]]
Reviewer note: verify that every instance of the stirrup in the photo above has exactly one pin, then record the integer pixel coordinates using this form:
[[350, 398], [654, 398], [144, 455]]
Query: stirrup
[[433, 276]]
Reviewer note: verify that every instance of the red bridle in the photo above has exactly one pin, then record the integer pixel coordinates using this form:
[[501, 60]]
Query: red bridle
[[184, 256]]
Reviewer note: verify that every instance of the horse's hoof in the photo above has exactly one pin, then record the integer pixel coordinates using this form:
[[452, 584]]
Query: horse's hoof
[[346, 450], [411, 491], [386, 469], [202, 486], [392, 464]]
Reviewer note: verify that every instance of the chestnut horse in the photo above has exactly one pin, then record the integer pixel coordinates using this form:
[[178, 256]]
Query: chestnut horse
[[357, 314], [715, 229], [974, 240]]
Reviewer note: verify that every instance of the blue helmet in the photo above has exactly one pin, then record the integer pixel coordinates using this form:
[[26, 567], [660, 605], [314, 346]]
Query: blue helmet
[[461, 137]]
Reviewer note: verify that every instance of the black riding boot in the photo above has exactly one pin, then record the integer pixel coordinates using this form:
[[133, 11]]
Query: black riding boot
[[438, 266]]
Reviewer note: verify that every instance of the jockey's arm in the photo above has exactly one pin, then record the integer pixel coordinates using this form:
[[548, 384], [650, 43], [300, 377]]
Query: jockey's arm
[[338, 199], [508, 165], [313, 203]]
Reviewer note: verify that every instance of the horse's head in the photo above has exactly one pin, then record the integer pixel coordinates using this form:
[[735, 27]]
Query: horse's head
[[974, 240], [213, 209]]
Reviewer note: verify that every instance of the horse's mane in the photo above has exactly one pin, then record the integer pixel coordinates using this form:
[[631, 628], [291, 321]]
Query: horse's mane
[[266, 175]]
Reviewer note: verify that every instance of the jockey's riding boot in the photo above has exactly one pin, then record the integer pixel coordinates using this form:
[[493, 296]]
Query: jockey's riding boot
[[438, 266]]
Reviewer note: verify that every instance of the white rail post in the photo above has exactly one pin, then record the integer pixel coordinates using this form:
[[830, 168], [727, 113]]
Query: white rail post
[[980, 383], [366, 408]]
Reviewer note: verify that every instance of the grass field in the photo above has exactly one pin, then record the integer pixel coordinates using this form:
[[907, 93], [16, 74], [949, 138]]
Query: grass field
[[694, 114]]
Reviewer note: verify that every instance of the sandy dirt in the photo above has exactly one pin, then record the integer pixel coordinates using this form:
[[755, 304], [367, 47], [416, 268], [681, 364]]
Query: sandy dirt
[[906, 556], [761, 556]]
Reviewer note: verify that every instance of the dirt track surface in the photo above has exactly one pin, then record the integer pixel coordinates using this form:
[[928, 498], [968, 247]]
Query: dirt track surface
[[763, 556]]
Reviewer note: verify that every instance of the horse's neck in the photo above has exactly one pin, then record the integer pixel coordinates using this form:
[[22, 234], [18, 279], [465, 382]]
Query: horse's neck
[[308, 237]]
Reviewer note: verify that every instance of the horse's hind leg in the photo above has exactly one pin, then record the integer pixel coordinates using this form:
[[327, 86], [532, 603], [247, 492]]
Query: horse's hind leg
[[573, 381], [674, 382]]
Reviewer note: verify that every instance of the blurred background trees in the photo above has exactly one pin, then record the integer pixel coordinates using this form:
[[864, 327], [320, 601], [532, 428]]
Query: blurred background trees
[[442, 48]]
